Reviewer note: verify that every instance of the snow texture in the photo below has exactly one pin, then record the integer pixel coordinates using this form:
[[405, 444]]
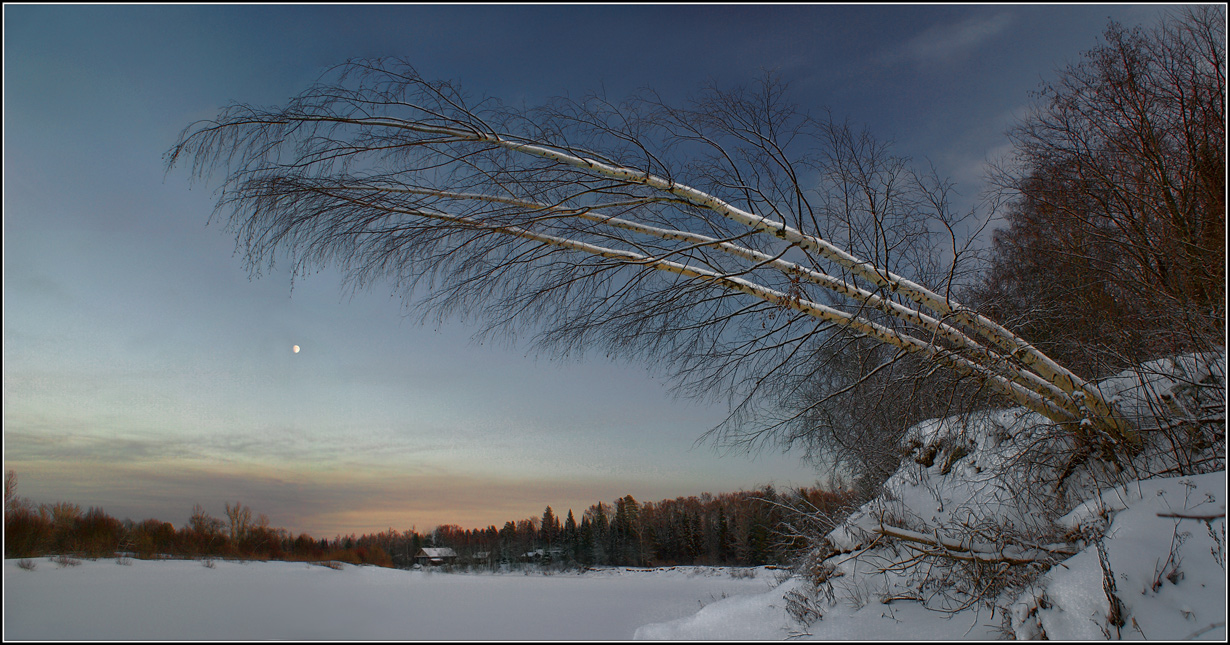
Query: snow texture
[[185, 600], [972, 539]]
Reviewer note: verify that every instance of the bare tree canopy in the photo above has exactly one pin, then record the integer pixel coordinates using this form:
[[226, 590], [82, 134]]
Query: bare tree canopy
[[728, 239], [1115, 249]]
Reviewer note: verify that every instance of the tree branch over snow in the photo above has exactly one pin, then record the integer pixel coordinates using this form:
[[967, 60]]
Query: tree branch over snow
[[1192, 516], [959, 550]]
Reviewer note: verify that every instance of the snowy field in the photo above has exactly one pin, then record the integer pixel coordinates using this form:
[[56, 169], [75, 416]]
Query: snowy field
[[185, 600]]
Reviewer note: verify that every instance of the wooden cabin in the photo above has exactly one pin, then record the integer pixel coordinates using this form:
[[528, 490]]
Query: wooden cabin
[[435, 556]]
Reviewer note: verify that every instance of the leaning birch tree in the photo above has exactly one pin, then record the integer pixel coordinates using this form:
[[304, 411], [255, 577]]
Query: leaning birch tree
[[726, 239]]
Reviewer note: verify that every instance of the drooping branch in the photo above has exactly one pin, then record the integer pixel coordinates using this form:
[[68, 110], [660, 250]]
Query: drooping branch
[[943, 330], [400, 176]]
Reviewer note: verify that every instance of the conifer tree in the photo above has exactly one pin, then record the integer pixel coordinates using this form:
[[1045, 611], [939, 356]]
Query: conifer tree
[[549, 529], [570, 537], [585, 542]]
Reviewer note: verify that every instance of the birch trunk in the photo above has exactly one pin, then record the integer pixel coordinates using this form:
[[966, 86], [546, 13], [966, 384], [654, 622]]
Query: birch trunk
[[393, 176]]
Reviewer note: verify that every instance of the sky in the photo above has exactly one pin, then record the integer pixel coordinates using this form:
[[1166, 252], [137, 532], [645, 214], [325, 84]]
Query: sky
[[146, 371]]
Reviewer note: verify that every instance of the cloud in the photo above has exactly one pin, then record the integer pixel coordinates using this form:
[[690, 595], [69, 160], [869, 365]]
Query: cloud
[[944, 43], [106, 442]]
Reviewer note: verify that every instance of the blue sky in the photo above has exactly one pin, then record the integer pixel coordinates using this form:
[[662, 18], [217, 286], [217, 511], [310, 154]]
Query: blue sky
[[144, 371]]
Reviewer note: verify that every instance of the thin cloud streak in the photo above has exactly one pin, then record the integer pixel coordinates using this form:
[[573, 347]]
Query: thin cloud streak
[[945, 43]]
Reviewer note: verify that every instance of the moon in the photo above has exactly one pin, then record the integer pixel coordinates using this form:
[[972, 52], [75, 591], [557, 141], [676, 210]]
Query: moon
[[295, 349]]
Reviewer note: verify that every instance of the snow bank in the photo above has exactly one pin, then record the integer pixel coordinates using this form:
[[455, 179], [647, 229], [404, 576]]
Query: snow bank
[[993, 528], [1169, 572]]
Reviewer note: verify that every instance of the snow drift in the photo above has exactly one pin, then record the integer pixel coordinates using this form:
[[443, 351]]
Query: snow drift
[[999, 525]]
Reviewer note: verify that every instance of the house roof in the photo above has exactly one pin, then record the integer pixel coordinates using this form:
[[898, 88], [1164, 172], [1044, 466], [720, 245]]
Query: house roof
[[442, 552]]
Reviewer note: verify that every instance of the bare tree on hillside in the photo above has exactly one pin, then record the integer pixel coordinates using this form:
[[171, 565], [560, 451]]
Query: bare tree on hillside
[[728, 240], [1115, 249]]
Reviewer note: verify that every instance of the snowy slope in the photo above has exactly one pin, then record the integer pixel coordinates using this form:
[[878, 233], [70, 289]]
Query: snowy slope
[[1066, 603], [972, 539]]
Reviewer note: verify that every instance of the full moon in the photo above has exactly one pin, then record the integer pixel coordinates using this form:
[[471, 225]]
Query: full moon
[[295, 349]]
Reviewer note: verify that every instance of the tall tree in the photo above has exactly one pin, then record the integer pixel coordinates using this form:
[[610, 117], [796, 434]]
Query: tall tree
[[585, 542], [509, 541], [726, 239], [571, 538], [549, 529], [239, 522], [626, 533], [1115, 248], [596, 516]]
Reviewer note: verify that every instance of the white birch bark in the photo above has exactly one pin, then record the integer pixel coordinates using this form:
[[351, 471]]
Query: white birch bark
[[548, 193]]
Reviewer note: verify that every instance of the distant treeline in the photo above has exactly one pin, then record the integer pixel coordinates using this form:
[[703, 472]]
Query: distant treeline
[[744, 528]]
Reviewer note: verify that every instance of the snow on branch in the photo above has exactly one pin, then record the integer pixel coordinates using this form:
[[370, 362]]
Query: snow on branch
[[955, 549]]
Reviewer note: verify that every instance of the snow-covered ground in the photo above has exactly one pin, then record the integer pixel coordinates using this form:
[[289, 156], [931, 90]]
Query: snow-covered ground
[[1188, 604], [972, 538], [185, 600], [990, 529]]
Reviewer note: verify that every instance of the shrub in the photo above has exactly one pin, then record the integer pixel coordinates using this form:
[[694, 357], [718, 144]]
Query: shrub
[[65, 561], [26, 533], [98, 534]]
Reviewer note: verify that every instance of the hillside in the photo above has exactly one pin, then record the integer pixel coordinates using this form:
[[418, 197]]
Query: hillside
[[998, 526]]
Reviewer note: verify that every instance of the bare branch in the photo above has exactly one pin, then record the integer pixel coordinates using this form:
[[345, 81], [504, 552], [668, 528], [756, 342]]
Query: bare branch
[[677, 234]]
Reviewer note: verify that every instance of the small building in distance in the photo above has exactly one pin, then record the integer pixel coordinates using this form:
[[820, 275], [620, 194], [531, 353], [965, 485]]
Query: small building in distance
[[553, 554], [435, 556]]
